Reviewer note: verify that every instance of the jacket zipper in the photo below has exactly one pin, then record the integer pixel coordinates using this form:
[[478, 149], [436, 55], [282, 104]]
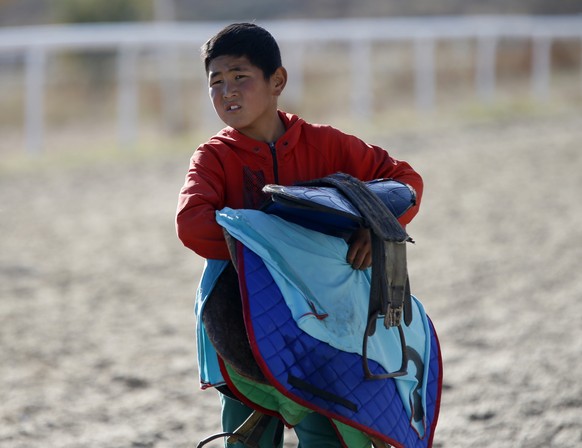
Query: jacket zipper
[[275, 164]]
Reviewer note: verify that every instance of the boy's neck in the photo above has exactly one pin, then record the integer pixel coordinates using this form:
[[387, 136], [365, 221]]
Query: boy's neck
[[278, 131], [270, 132]]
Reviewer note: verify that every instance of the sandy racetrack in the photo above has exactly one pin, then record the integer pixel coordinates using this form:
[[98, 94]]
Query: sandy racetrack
[[96, 294]]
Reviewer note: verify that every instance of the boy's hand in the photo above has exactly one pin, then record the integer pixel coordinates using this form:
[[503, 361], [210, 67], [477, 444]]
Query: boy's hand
[[360, 251]]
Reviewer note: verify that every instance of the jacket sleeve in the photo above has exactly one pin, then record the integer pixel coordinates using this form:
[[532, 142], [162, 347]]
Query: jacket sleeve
[[202, 194], [368, 162]]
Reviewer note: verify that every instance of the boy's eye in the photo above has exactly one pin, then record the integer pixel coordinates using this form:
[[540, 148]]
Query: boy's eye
[[215, 82]]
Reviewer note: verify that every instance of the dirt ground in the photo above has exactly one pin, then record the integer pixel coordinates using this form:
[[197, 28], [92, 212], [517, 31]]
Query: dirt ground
[[96, 293]]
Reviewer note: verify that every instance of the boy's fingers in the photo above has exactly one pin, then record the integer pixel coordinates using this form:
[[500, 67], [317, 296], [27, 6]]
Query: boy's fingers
[[353, 250], [359, 257], [360, 250], [364, 261]]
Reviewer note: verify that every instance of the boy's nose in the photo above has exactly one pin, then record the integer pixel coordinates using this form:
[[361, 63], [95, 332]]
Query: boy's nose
[[229, 90]]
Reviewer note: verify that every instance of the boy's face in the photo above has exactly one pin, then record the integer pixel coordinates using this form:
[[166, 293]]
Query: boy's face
[[242, 97]]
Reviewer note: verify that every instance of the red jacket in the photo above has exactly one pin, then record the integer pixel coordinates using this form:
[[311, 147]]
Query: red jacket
[[231, 169]]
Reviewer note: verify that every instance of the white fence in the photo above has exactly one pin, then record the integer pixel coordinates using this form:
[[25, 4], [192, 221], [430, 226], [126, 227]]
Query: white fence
[[38, 43]]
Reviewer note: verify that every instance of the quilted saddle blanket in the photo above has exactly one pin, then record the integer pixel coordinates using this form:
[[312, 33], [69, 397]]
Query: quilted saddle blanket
[[305, 309]]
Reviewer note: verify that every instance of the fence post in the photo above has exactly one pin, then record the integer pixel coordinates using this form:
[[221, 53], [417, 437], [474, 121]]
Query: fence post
[[486, 67], [34, 107], [293, 61], [424, 82], [127, 96], [169, 59], [361, 73], [541, 62]]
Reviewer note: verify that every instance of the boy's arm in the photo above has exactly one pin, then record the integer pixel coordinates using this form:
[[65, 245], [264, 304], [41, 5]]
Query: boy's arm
[[368, 162], [201, 195], [403, 172]]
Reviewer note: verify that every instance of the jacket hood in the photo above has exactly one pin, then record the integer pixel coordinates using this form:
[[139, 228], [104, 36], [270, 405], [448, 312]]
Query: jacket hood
[[235, 139]]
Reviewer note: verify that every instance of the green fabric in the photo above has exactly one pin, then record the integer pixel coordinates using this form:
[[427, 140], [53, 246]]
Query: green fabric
[[353, 437], [270, 398], [314, 431]]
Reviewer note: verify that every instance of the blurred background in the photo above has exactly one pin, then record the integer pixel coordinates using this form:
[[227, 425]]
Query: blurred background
[[101, 106], [128, 73]]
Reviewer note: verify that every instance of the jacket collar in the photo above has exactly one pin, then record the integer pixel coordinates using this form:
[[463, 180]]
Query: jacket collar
[[239, 141]]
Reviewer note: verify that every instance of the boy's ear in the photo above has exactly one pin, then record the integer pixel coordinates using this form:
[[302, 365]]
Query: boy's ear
[[279, 80]]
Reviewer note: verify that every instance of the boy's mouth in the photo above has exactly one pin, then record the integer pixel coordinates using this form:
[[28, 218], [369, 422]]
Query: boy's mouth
[[232, 107]]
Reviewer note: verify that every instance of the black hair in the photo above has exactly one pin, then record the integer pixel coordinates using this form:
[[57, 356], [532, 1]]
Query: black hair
[[244, 39]]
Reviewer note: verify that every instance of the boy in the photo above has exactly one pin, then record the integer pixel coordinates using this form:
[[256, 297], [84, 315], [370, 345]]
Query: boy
[[263, 145]]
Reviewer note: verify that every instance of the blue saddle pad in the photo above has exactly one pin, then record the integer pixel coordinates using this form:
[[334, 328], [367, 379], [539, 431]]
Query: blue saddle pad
[[322, 378]]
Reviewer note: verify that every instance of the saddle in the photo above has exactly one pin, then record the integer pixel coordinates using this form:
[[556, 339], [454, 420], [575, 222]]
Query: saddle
[[242, 331], [390, 290]]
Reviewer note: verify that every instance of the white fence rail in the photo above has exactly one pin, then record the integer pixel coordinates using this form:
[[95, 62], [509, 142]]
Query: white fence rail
[[38, 43]]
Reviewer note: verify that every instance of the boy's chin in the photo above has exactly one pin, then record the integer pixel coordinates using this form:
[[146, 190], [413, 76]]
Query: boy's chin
[[235, 123]]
